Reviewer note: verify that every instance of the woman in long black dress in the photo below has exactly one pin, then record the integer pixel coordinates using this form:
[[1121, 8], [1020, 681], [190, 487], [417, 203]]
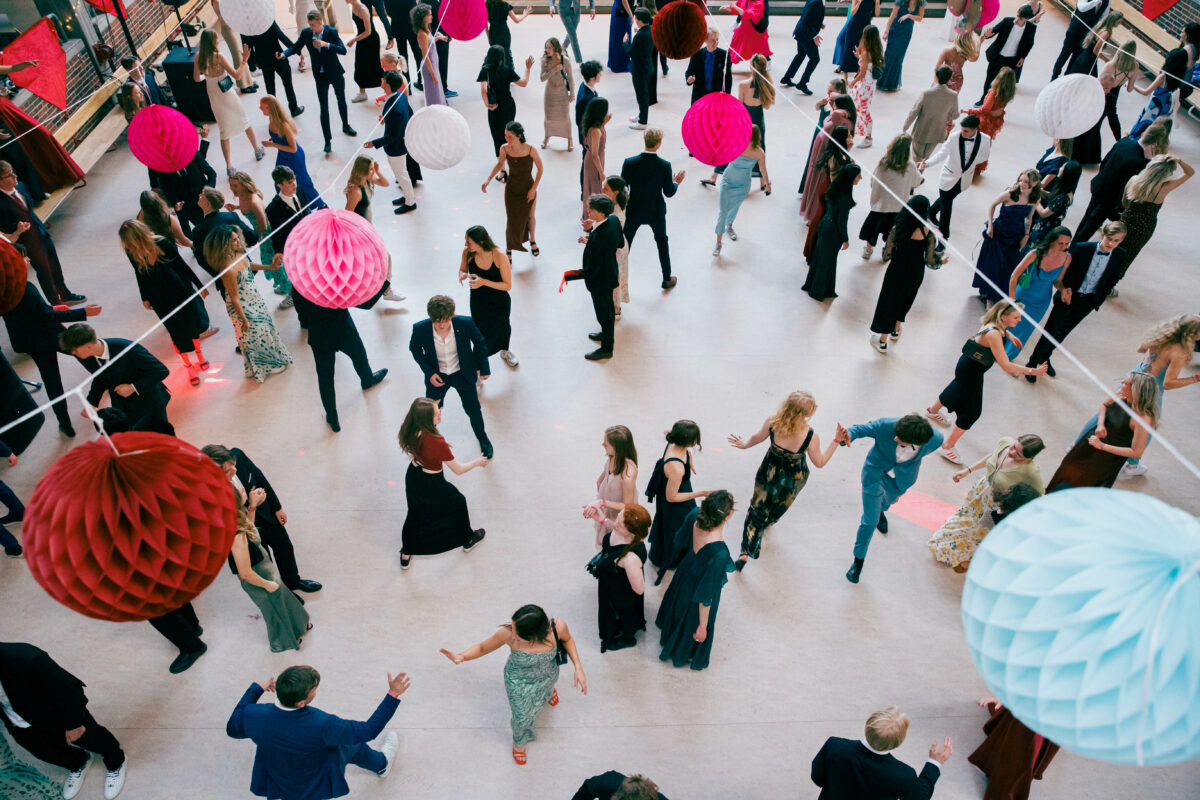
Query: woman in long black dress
[[1086, 147], [165, 282], [670, 489], [621, 585], [368, 69], [496, 78], [833, 234], [437, 520], [912, 249], [498, 15], [489, 274], [688, 614]]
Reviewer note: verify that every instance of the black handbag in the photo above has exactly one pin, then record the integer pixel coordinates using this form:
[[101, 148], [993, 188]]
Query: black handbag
[[601, 562], [225, 84], [978, 352], [560, 650]]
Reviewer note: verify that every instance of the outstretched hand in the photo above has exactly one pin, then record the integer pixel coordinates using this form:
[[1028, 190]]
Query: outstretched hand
[[455, 657]]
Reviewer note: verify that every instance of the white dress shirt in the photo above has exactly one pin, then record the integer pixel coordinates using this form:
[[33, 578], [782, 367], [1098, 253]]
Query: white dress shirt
[[952, 171], [13, 716], [447, 352], [1095, 269], [1015, 34]]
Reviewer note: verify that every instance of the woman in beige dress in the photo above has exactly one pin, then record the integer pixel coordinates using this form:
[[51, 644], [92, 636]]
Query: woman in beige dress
[[213, 68], [560, 93], [616, 487]]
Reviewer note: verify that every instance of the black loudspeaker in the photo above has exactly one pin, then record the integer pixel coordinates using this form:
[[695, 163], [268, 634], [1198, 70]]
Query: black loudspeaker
[[15, 402], [191, 98]]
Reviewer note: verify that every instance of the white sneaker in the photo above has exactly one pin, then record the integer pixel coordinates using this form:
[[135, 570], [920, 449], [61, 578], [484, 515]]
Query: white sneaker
[[508, 358], [717, 250], [867, 250], [637, 126], [731, 233], [75, 781], [390, 294], [391, 743], [287, 302], [939, 419], [1131, 470], [951, 455], [114, 781], [877, 344], [361, 97]]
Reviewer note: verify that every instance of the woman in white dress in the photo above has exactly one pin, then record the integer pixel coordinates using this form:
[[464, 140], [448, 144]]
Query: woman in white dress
[[218, 76]]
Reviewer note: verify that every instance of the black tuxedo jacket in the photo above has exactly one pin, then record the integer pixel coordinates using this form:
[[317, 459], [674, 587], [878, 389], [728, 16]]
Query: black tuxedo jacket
[[472, 348], [332, 328], [264, 46], [253, 478], [602, 787], [400, 14], [1005, 28], [137, 367], [641, 51], [811, 18], [600, 256], [1081, 259], [183, 186], [279, 217], [722, 75], [649, 179], [847, 770], [41, 692], [34, 325], [325, 62], [204, 227], [1125, 159]]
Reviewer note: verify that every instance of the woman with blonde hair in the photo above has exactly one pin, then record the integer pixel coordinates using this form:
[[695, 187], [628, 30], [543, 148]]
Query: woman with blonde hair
[[559, 95], [218, 75], [862, 87], [286, 620], [364, 176], [895, 178], [165, 282], [991, 111], [616, 488], [784, 468], [288, 153], [964, 49], [1102, 450], [1006, 234], [621, 584], [263, 351], [1121, 71], [1144, 196], [250, 203]]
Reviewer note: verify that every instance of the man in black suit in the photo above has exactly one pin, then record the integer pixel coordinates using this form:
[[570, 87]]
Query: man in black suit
[[451, 351], [264, 47], [600, 270], [269, 517], [212, 203], [708, 70], [589, 76], [402, 31], [144, 80], [1014, 39], [864, 770], [807, 34], [396, 113], [284, 212], [641, 65], [33, 328], [650, 183], [1127, 158], [45, 711], [613, 785], [182, 188], [324, 46], [1096, 267], [133, 378], [1086, 16], [20, 223]]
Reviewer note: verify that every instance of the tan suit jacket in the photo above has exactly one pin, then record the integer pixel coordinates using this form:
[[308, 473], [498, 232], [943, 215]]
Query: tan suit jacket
[[931, 117]]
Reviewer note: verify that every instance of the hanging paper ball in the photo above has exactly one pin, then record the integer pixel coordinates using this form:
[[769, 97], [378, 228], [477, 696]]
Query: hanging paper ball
[[969, 13], [13, 277], [249, 17], [679, 29], [1069, 602], [463, 19], [437, 137], [335, 258], [989, 11], [1069, 106], [129, 537], [716, 129], [162, 138]]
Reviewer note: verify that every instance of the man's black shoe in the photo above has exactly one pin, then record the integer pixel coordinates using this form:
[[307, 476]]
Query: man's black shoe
[[185, 660], [598, 355], [375, 379], [882, 525], [305, 585]]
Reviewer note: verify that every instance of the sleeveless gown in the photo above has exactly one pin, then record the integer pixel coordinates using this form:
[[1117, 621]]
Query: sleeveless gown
[[226, 107], [1036, 297], [297, 163], [262, 350], [897, 46], [517, 206], [734, 186], [622, 611], [1001, 252], [490, 308], [529, 680]]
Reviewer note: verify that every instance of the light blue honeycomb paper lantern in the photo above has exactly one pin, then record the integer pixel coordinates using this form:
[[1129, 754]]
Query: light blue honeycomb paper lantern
[[1082, 613]]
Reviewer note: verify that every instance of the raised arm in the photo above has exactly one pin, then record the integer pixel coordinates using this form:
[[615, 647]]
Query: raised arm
[[528, 67], [818, 457], [758, 436], [501, 637]]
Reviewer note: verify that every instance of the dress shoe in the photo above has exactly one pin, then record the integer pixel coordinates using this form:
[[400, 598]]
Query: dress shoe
[[251, 89], [786, 82], [598, 355], [485, 447], [1050, 370], [333, 423], [305, 585], [854, 571], [73, 299], [404, 208], [346, 129], [669, 283], [66, 430], [596, 337], [375, 379], [882, 525], [475, 538], [297, 111], [14, 552], [621, 644], [804, 89], [328, 148], [185, 660]]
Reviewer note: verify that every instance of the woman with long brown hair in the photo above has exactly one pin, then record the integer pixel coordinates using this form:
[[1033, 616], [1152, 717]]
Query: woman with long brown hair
[[159, 217], [1005, 235], [218, 76], [430, 75], [991, 111], [523, 174], [862, 87], [895, 178], [616, 487], [559, 94], [621, 583]]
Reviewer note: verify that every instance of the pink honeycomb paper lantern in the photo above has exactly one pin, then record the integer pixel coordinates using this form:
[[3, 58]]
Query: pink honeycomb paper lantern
[[716, 129], [463, 19], [991, 10], [336, 259], [162, 138]]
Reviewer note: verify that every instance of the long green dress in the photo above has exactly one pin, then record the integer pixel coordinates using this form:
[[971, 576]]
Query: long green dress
[[283, 613], [19, 781], [529, 680], [698, 581]]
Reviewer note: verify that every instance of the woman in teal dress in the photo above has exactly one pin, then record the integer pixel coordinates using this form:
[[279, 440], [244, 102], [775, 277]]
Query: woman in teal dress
[[534, 641], [898, 34], [688, 614], [19, 781], [1045, 265], [735, 185]]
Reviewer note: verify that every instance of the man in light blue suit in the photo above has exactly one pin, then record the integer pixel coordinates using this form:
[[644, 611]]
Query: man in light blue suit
[[569, 11], [889, 471]]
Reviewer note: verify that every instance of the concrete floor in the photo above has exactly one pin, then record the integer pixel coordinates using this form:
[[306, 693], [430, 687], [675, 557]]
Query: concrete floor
[[800, 654]]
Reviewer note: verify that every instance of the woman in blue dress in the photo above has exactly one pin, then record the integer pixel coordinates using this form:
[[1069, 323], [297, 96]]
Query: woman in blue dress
[[620, 25], [898, 34], [288, 152], [860, 16], [1044, 267], [735, 185], [1006, 234]]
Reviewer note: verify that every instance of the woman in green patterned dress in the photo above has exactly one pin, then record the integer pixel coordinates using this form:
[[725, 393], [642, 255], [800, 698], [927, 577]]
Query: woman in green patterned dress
[[534, 641], [19, 781]]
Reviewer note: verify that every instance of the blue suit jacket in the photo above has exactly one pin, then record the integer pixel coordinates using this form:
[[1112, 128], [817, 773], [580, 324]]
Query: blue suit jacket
[[325, 61], [472, 348], [298, 754], [396, 113], [882, 457], [809, 24]]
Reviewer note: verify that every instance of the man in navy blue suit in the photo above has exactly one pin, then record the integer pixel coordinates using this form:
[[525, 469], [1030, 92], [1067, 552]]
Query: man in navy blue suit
[[846, 769], [324, 46], [452, 352], [807, 34], [396, 113], [303, 751]]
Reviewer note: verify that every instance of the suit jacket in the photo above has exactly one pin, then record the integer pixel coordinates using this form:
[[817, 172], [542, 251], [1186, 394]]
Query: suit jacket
[[1084, 19], [265, 45], [600, 256], [881, 458], [931, 116], [953, 172], [602, 787], [400, 14], [722, 76], [1005, 28], [185, 185], [649, 179], [299, 755], [809, 24], [641, 51], [150, 88], [1081, 260], [137, 367], [204, 227], [585, 96], [472, 348], [11, 214], [253, 478], [848, 770], [396, 113], [41, 692], [279, 217], [325, 62], [1125, 159], [34, 325], [331, 328]]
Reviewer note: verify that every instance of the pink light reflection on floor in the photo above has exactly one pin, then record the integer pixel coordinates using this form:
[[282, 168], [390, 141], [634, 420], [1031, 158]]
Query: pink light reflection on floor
[[921, 509]]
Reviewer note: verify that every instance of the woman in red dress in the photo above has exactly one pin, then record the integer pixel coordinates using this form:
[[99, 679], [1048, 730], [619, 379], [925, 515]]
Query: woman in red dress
[[991, 111], [750, 37]]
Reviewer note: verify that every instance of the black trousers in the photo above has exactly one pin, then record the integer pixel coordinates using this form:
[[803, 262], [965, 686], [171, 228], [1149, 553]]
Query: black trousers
[[1100, 209], [280, 67], [659, 226], [51, 745], [443, 51], [943, 208], [181, 627], [805, 48], [325, 360], [606, 315], [642, 86], [1072, 46], [275, 537], [1063, 319], [464, 384], [993, 69], [338, 84], [504, 113], [47, 366], [412, 69]]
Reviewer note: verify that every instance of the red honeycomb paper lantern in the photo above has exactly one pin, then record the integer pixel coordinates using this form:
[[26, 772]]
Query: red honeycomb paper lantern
[[335, 258], [716, 129], [13, 277], [463, 19], [162, 138], [679, 29], [133, 536]]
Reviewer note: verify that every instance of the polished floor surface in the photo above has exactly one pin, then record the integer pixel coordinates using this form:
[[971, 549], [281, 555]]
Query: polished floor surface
[[800, 654]]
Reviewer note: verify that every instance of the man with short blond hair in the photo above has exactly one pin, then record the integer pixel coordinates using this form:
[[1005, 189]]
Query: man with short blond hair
[[865, 769], [650, 182]]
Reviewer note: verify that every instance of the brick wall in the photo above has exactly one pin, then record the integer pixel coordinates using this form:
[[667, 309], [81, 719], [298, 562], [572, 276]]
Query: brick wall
[[1175, 17]]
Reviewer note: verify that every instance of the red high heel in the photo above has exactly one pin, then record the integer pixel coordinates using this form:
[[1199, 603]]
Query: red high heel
[[554, 698]]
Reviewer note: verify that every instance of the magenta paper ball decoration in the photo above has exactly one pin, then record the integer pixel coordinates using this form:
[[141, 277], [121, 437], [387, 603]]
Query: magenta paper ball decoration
[[991, 10], [463, 19], [716, 129], [336, 259], [162, 138]]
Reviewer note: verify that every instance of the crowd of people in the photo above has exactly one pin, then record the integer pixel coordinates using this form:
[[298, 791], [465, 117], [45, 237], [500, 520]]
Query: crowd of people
[[1031, 270]]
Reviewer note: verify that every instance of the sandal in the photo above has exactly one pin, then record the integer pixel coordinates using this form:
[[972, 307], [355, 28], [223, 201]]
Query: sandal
[[193, 378], [554, 698], [533, 248], [519, 756], [203, 365]]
